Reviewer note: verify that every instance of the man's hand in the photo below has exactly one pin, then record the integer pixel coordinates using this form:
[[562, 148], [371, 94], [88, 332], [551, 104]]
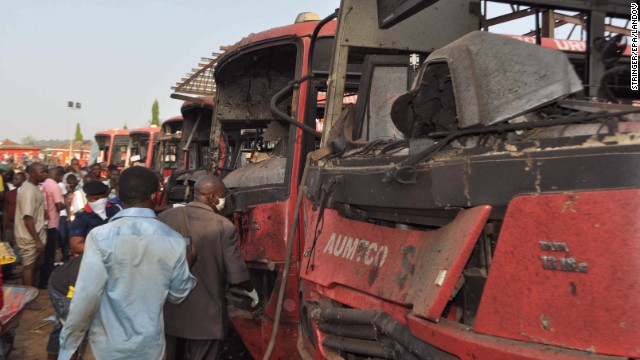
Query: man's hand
[[39, 246], [192, 255], [253, 295]]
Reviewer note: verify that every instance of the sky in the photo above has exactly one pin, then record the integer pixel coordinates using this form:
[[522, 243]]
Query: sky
[[114, 57]]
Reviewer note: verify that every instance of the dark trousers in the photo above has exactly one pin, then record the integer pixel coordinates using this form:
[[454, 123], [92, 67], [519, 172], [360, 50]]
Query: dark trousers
[[64, 239], [53, 236], [188, 349], [61, 307]]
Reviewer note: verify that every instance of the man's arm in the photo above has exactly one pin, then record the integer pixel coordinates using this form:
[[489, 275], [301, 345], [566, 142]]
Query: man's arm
[[56, 193], [59, 206], [27, 201], [92, 279], [78, 230], [181, 281], [76, 243], [235, 267], [29, 223]]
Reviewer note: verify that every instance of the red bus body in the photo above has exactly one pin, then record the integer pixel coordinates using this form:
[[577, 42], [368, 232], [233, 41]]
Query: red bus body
[[141, 146], [168, 150], [391, 275], [113, 146], [194, 143], [263, 225]]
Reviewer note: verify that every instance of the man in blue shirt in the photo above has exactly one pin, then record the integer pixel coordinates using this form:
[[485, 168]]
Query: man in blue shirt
[[130, 267], [62, 282]]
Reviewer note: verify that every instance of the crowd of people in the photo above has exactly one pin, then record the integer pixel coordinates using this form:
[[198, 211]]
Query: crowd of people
[[118, 276]]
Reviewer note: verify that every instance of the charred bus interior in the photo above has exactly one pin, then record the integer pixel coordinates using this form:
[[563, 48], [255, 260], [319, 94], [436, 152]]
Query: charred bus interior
[[193, 149], [140, 145], [168, 151], [256, 148], [114, 151]]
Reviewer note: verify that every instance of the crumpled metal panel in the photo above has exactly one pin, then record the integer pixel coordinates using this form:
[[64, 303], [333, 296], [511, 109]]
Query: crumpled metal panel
[[496, 78], [407, 267], [270, 171]]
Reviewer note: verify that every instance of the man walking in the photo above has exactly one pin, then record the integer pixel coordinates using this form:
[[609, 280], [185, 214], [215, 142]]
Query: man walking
[[30, 228], [198, 325], [63, 280], [54, 204], [130, 266]]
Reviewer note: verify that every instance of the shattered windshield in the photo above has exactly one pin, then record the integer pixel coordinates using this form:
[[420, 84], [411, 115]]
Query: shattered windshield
[[255, 146]]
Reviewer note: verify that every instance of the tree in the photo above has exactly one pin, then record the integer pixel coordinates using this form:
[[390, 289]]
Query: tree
[[155, 113], [78, 136], [29, 140], [125, 126]]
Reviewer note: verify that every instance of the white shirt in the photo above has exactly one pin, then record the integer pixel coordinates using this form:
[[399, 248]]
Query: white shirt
[[63, 188]]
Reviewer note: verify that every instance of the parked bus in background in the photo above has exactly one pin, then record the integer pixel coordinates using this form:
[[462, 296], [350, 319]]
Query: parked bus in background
[[112, 145], [194, 142], [168, 152], [141, 144]]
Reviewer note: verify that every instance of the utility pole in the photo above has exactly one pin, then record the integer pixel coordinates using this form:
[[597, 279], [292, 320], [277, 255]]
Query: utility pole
[[73, 106]]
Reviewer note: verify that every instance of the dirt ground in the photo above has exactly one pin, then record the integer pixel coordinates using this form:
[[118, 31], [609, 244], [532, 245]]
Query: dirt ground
[[34, 329], [33, 332]]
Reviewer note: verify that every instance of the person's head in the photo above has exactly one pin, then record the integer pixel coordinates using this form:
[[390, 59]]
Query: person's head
[[114, 176], [112, 167], [72, 181], [96, 170], [95, 191], [8, 176], [37, 173], [75, 165], [210, 190], [18, 179], [88, 178], [137, 187], [53, 174], [4, 171]]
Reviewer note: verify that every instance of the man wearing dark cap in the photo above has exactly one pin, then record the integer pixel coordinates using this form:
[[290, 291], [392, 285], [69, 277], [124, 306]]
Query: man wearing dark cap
[[130, 267], [62, 283], [96, 212]]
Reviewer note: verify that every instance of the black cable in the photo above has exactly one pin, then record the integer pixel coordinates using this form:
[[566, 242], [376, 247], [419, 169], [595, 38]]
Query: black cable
[[408, 164], [274, 108]]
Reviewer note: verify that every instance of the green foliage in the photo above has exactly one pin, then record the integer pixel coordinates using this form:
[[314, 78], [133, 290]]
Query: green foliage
[[78, 136], [155, 113], [125, 126], [29, 140]]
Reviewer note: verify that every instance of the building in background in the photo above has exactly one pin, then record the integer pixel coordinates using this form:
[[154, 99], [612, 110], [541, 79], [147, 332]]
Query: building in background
[[10, 150]]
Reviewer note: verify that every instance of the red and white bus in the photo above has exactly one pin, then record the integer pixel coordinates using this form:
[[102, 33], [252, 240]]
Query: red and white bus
[[141, 144], [113, 146]]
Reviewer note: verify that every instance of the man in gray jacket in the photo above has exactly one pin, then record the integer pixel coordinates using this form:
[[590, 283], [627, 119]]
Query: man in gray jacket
[[197, 325]]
